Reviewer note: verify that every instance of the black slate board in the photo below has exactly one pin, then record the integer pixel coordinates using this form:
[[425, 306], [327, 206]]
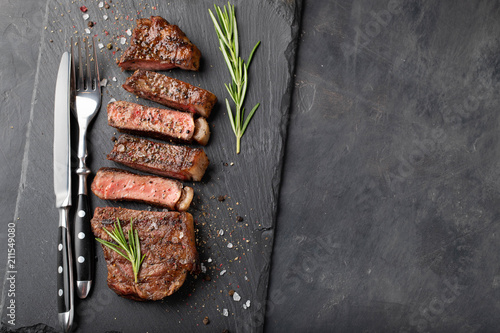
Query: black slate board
[[249, 181]]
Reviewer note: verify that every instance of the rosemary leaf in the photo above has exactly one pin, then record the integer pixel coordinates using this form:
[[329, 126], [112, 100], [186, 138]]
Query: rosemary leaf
[[130, 250]]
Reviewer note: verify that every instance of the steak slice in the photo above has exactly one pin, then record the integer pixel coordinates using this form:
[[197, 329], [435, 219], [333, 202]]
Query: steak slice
[[158, 123], [168, 242], [116, 184], [163, 159], [170, 92], [159, 45]]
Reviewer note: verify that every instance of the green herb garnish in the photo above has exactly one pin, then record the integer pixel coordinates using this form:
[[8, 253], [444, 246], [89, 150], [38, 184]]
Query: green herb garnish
[[227, 32], [130, 250]]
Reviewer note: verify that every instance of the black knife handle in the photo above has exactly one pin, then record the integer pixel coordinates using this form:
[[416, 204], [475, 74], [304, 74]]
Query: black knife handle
[[83, 242], [63, 271], [65, 290]]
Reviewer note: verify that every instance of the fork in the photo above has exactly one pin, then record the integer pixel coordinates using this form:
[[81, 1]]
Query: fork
[[86, 88]]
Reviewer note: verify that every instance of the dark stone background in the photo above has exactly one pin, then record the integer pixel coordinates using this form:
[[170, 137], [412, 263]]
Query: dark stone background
[[389, 207], [388, 210]]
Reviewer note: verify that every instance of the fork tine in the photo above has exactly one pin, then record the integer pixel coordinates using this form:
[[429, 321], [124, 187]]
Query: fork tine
[[88, 78], [80, 81], [97, 78]]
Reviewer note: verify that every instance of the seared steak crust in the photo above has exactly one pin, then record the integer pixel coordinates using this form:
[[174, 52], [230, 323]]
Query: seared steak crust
[[181, 162], [116, 184], [170, 92], [168, 242], [154, 122], [158, 45]]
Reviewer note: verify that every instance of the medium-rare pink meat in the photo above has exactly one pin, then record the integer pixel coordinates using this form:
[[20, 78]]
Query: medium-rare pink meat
[[116, 184], [159, 45], [170, 92], [158, 123], [168, 242], [163, 159]]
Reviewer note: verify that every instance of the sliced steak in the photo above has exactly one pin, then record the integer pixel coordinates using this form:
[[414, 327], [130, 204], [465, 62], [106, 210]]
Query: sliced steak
[[158, 123], [170, 92], [159, 45], [116, 184], [168, 242], [163, 159]]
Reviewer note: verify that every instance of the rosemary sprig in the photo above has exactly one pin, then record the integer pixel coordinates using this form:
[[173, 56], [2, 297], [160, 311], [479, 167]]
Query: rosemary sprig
[[130, 250], [227, 32]]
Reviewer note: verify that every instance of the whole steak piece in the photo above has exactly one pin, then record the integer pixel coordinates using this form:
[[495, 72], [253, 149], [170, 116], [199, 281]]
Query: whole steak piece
[[163, 159], [159, 45], [168, 242], [170, 92]]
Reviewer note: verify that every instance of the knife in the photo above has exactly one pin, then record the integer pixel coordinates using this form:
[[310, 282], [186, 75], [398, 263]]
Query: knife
[[62, 190]]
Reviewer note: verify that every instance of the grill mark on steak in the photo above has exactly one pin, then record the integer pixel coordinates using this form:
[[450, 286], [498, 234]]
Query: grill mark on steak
[[158, 123], [159, 45], [168, 241], [170, 92], [163, 159], [116, 184]]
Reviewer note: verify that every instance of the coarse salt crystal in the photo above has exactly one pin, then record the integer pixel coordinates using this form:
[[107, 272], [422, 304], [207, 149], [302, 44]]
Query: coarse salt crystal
[[246, 279], [87, 30], [105, 17], [104, 82], [236, 297], [129, 32], [223, 272], [101, 4], [181, 234], [112, 100], [101, 45], [248, 304], [230, 245], [221, 232], [244, 307], [114, 78], [225, 312], [203, 268], [209, 260], [123, 40], [86, 16]]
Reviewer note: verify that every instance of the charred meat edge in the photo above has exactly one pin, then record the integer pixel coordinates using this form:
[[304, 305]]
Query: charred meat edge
[[163, 159], [159, 45], [171, 92]]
